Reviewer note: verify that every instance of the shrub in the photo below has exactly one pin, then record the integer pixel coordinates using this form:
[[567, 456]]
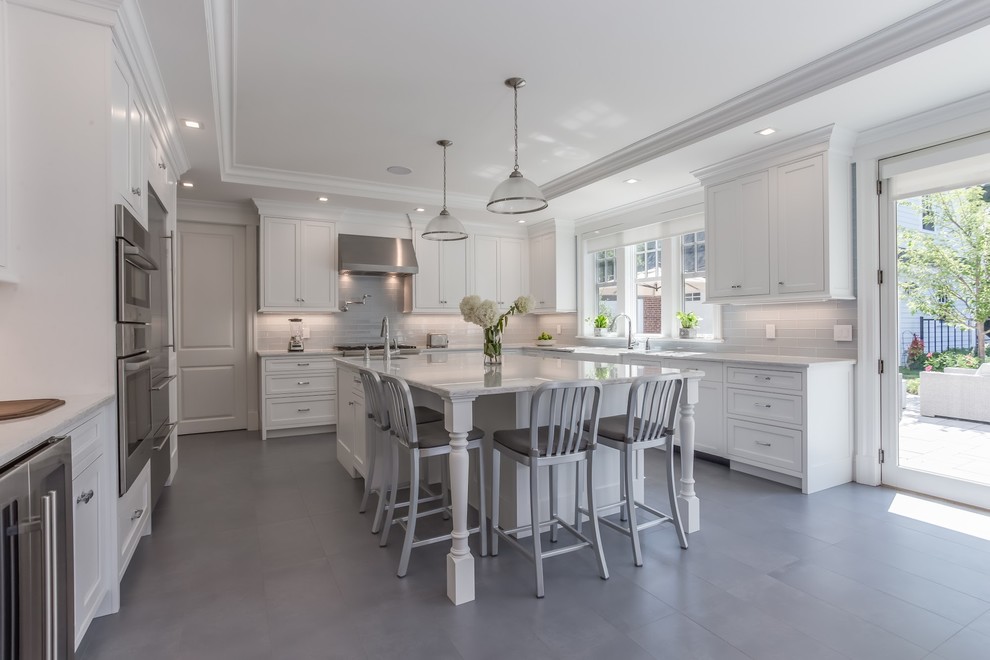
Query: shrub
[[956, 357], [911, 385], [916, 353]]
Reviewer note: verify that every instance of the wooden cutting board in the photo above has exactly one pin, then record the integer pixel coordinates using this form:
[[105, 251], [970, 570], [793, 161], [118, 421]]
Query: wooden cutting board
[[27, 408]]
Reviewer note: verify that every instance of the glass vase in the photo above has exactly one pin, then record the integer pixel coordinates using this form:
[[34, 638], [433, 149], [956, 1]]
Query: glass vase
[[493, 345]]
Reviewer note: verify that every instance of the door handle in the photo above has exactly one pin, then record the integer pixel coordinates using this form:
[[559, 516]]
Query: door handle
[[160, 386], [135, 366], [49, 507]]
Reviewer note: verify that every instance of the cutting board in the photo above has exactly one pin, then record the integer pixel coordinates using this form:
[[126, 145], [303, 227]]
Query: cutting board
[[27, 408]]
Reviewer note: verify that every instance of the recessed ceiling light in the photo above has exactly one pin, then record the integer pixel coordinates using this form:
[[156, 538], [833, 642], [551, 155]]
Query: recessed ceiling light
[[187, 184], [420, 209], [398, 169], [767, 131], [323, 199], [192, 123], [522, 222]]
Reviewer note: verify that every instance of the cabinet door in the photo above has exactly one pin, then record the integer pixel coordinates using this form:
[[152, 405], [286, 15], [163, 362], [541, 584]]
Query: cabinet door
[[511, 270], [119, 134], [800, 227], [281, 268], [738, 228], [87, 542], [542, 275], [453, 273], [317, 270], [486, 268], [136, 144], [426, 283]]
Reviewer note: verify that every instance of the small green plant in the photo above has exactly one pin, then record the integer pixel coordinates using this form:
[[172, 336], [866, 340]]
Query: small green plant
[[600, 321], [544, 336], [688, 319]]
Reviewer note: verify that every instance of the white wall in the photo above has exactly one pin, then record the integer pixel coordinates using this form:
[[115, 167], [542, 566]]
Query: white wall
[[56, 325]]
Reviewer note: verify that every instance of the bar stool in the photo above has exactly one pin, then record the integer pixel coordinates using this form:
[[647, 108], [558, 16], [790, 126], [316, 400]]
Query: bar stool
[[648, 423], [563, 439], [374, 402], [423, 441]]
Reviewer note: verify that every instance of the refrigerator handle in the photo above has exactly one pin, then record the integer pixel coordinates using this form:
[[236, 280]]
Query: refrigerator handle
[[171, 254], [48, 516]]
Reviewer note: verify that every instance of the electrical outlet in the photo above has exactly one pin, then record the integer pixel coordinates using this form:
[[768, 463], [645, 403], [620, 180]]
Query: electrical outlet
[[305, 332], [771, 331], [558, 329], [842, 333]]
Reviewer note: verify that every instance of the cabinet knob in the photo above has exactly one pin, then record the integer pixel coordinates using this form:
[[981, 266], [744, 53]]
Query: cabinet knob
[[137, 514], [350, 403], [136, 191], [84, 498], [780, 284], [161, 165]]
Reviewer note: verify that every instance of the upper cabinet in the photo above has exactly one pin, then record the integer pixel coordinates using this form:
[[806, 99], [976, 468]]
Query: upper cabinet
[[128, 135], [553, 267], [778, 221], [298, 265], [442, 280], [500, 269]]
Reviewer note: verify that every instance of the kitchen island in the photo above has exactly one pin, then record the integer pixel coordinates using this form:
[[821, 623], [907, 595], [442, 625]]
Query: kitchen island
[[454, 382]]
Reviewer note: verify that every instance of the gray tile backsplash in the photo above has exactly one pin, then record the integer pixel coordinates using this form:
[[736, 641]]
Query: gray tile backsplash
[[802, 329], [362, 323]]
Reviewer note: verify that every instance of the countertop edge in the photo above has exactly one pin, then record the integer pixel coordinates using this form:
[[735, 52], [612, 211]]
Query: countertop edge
[[19, 436]]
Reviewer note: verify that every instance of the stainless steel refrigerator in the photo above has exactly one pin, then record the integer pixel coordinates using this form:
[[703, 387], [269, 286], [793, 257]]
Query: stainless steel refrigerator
[[36, 581]]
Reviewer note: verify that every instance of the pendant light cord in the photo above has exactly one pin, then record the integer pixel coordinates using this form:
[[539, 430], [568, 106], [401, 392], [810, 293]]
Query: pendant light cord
[[445, 178], [515, 122]]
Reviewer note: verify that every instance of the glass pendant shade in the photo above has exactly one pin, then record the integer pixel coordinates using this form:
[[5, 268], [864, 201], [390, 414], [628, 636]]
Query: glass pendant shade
[[444, 227], [517, 194]]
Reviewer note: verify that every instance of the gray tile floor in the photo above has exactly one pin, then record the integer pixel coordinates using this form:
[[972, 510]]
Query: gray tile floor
[[258, 552]]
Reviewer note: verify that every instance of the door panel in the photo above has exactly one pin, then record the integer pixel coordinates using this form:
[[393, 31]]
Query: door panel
[[212, 322], [511, 270], [281, 272], [800, 230], [318, 267], [486, 264], [453, 272]]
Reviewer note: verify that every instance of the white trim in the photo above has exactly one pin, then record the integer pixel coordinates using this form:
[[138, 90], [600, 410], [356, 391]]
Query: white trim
[[132, 39], [928, 28], [874, 138], [221, 213], [98, 12], [643, 208]]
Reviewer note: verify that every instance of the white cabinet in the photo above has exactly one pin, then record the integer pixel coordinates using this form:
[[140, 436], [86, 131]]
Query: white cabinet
[[500, 272], [442, 280], [351, 423], [133, 518], [553, 267], [709, 432], [298, 395], [298, 265], [157, 169], [778, 222], [791, 425], [738, 231], [127, 138]]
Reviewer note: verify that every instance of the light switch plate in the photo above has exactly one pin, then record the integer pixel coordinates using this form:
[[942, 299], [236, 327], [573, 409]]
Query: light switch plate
[[771, 331], [842, 333], [558, 328], [305, 332]]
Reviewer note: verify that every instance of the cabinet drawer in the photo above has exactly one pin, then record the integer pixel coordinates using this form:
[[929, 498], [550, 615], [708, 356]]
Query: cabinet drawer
[[788, 408], [304, 384], [133, 514], [766, 444], [301, 411], [784, 380], [300, 364], [86, 442]]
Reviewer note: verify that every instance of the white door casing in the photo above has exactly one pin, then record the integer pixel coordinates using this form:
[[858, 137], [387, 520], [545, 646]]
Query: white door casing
[[211, 308]]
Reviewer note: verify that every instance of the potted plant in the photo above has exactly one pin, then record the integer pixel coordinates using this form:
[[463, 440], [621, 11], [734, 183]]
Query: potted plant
[[600, 324], [689, 324]]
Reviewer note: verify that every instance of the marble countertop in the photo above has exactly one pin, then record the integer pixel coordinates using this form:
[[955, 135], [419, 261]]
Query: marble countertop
[[308, 351], [19, 436], [751, 358], [463, 374]]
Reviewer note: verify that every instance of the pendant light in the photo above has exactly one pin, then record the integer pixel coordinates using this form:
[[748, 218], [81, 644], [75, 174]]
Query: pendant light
[[517, 194], [444, 227]]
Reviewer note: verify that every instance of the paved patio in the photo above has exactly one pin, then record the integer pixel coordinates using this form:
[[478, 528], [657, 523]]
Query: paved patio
[[952, 447]]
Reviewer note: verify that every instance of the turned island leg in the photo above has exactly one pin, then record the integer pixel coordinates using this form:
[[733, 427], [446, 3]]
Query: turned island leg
[[688, 502]]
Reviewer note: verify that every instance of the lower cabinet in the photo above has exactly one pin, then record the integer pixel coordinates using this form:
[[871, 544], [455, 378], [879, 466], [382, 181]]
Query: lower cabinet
[[351, 423], [133, 518], [298, 395]]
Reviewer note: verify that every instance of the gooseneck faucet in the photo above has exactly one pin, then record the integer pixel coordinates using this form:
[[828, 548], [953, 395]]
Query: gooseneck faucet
[[388, 340], [631, 344]]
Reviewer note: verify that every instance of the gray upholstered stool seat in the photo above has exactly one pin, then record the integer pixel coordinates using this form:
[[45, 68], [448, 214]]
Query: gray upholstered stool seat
[[614, 427], [518, 440], [426, 415]]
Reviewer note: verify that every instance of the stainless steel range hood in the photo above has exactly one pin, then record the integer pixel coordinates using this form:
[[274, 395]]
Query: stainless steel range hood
[[374, 255]]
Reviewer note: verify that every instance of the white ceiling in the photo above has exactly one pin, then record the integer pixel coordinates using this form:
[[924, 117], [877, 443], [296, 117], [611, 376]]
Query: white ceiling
[[338, 91]]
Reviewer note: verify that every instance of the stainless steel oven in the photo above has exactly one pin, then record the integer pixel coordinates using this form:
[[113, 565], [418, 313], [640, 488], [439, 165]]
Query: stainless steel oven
[[135, 416], [134, 268]]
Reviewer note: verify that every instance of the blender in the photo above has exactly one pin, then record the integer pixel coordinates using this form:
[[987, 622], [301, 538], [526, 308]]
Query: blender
[[295, 336]]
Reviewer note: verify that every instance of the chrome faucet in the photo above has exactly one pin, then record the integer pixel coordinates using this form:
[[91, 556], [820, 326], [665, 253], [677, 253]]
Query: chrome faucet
[[631, 344], [388, 340]]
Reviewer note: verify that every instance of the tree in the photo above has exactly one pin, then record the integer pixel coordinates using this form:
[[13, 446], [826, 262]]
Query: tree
[[946, 273]]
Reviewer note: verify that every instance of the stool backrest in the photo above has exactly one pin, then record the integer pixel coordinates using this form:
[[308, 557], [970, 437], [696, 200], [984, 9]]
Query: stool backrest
[[401, 411], [374, 398], [652, 407], [569, 405]]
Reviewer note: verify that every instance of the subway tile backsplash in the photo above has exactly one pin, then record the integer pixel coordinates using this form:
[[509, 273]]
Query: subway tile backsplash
[[802, 329]]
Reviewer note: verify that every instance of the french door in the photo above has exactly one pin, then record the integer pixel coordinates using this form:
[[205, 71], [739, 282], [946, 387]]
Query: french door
[[935, 410]]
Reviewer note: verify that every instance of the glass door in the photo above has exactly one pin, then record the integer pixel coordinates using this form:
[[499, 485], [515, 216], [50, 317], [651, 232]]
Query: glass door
[[935, 238]]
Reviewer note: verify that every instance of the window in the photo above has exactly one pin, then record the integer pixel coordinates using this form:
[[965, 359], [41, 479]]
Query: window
[[927, 214], [651, 281]]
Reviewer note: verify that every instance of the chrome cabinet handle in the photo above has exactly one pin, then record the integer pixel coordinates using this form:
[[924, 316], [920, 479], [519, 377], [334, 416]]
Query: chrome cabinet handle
[[302, 409], [350, 403], [136, 191], [302, 382], [780, 284], [763, 444], [137, 514], [302, 364], [161, 165], [161, 386], [50, 550], [84, 498], [763, 378], [762, 405]]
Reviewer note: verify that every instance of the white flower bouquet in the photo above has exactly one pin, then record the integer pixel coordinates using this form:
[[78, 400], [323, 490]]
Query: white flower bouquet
[[485, 313]]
